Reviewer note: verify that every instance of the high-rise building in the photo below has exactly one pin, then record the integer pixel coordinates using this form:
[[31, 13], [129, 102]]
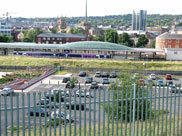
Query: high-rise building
[[139, 19]]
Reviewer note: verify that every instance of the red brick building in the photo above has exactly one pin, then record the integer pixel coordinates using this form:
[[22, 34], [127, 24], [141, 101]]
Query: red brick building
[[59, 38], [167, 40]]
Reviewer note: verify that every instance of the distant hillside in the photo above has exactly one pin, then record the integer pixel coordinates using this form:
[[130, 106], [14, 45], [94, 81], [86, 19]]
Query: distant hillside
[[115, 20]]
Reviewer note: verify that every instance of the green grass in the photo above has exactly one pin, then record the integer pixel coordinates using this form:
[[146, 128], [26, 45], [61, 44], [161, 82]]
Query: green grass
[[89, 63], [138, 126]]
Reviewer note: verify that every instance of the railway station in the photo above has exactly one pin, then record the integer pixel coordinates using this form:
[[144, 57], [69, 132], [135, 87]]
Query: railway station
[[84, 49]]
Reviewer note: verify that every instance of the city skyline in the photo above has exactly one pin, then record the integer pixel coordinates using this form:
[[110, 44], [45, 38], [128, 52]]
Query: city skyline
[[70, 8]]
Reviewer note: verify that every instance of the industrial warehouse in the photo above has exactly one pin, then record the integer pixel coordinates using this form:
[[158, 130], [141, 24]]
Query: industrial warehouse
[[83, 49]]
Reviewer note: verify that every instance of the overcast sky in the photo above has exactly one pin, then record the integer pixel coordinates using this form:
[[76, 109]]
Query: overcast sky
[[70, 8]]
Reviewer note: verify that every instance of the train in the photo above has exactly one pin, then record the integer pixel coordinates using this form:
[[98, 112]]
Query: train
[[63, 55]]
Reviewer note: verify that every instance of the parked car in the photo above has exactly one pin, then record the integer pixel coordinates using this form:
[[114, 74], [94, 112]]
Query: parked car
[[36, 110], [105, 81], [75, 105], [56, 115], [7, 92], [160, 83], [141, 82], [173, 89], [51, 97], [82, 74], [69, 85], [113, 75], [169, 83], [82, 93], [98, 74], [43, 102], [94, 85], [105, 74], [88, 80], [66, 79], [64, 92], [168, 77], [152, 76]]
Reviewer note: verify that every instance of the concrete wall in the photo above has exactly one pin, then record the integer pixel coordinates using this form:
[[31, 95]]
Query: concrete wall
[[173, 54]]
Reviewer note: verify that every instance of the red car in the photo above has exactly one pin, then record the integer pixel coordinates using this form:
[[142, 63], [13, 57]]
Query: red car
[[141, 82], [168, 77]]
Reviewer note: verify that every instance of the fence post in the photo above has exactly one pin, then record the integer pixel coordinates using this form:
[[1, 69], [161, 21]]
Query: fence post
[[134, 103]]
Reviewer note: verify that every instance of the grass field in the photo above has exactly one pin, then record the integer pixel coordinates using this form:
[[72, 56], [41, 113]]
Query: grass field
[[89, 63], [154, 128]]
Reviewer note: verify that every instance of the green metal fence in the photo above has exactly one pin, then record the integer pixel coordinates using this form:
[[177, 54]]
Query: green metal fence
[[136, 111]]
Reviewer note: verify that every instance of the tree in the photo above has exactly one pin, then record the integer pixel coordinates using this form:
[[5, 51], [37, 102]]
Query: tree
[[99, 38], [30, 36], [142, 40], [152, 44], [76, 31], [111, 36], [125, 40], [5, 38], [54, 30]]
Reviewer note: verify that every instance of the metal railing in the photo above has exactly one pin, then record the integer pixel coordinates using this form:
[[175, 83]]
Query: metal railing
[[129, 111]]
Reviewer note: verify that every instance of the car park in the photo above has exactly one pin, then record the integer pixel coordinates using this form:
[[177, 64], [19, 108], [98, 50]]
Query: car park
[[61, 115], [7, 92], [97, 74], [82, 74], [105, 81], [168, 77], [66, 79], [82, 93], [113, 75], [94, 85], [152, 76], [38, 112], [105, 74], [89, 79], [160, 83]]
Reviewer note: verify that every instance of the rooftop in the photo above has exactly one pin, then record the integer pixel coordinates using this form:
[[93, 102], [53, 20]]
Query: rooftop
[[61, 35], [85, 45], [167, 35]]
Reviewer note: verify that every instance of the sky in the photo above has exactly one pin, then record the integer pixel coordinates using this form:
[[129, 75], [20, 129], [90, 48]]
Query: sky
[[72, 8]]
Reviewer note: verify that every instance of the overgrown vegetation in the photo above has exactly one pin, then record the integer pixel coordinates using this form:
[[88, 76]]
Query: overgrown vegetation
[[5, 80], [90, 63]]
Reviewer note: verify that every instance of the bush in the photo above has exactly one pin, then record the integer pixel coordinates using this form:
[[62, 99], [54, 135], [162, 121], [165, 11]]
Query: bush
[[125, 92]]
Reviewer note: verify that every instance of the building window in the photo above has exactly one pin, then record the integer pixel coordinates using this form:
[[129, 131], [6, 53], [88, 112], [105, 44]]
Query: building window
[[53, 38], [169, 40], [177, 46], [44, 38], [47, 42], [67, 39], [177, 41], [83, 39], [175, 53], [48, 38], [169, 46]]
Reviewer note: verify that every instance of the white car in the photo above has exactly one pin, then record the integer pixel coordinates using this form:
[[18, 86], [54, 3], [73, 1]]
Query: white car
[[82, 93], [152, 76], [7, 91], [56, 115]]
